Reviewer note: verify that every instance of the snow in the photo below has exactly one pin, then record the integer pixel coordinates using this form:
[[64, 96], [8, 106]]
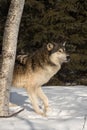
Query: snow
[[68, 110]]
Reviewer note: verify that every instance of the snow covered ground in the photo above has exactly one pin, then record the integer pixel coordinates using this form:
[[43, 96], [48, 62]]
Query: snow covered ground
[[69, 110]]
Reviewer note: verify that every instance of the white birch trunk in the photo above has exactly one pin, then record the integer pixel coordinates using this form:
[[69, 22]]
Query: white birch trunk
[[9, 52]]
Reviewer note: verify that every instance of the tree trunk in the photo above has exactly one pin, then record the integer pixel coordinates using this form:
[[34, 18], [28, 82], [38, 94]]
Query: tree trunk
[[9, 52]]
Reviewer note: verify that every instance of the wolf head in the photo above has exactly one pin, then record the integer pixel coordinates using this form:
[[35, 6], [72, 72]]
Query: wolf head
[[57, 52]]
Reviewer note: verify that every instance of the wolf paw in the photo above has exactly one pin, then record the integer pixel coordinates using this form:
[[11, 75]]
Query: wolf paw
[[49, 111]]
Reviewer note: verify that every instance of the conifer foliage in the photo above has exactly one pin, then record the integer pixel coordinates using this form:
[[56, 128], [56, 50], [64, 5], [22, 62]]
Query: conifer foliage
[[46, 20]]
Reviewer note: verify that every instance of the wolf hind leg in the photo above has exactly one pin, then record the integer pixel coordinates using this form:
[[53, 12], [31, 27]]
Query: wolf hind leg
[[44, 98]]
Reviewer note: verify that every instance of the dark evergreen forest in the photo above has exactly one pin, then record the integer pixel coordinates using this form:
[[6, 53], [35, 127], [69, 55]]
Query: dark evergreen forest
[[46, 20]]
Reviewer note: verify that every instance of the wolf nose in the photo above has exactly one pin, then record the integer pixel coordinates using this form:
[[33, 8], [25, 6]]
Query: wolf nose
[[68, 58]]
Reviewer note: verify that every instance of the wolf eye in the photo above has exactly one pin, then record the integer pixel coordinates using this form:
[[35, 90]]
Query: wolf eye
[[60, 50]]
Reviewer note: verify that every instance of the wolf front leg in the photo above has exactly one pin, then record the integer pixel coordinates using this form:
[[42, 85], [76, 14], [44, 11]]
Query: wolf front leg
[[44, 98], [34, 100]]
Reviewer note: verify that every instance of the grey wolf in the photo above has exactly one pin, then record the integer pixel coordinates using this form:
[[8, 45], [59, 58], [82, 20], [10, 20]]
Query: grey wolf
[[33, 70]]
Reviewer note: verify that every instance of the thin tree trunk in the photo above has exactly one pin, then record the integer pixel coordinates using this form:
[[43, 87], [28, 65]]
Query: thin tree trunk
[[9, 52]]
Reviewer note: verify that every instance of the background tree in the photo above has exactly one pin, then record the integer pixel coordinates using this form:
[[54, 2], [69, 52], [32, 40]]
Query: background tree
[[9, 52], [46, 20]]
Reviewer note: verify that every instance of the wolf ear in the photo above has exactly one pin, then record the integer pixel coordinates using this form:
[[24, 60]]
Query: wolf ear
[[64, 43], [50, 46]]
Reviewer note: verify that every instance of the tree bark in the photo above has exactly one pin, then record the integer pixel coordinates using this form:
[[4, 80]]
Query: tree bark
[[9, 52]]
